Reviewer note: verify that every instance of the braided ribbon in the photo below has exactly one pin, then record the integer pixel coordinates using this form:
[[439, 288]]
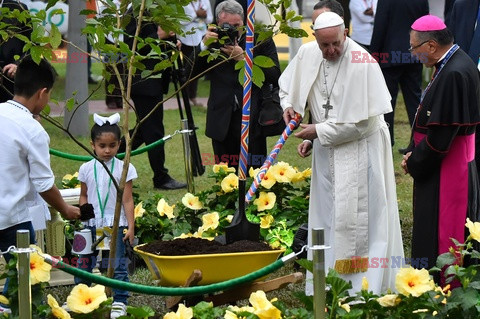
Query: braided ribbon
[[271, 157], [247, 91]]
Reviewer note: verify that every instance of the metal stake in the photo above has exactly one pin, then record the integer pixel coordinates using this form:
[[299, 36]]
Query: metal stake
[[318, 273], [24, 292], [188, 157]]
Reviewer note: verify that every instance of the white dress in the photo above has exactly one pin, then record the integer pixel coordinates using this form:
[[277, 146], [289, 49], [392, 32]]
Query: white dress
[[104, 189]]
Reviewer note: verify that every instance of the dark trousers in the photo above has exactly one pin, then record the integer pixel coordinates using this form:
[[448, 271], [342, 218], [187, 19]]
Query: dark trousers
[[115, 96], [188, 52], [9, 238], [228, 150], [151, 131], [409, 78]]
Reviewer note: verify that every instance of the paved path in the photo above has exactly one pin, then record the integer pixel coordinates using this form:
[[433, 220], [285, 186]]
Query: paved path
[[98, 106]]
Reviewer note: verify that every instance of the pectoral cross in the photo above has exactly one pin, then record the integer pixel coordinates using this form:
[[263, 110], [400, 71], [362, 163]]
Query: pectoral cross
[[327, 106]]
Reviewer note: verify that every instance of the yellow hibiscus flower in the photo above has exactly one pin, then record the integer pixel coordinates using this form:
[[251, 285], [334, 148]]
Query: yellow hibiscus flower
[[344, 306], [164, 209], [364, 283], [264, 309], [182, 313], [474, 229], [191, 201], [84, 299], [283, 172], [266, 221], [415, 282], [39, 269], [210, 221], [57, 311], [139, 210], [223, 166], [265, 201], [390, 300], [268, 179], [229, 183], [183, 236], [240, 309], [4, 300], [253, 172], [230, 315]]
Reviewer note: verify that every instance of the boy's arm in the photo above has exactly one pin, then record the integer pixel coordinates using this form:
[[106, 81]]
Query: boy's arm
[[55, 199], [128, 206]]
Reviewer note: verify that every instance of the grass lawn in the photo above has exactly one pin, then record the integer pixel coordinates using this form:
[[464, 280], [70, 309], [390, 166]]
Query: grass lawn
[[174, 162]]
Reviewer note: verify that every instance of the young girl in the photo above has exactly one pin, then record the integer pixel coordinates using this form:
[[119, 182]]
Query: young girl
[[98, 189]]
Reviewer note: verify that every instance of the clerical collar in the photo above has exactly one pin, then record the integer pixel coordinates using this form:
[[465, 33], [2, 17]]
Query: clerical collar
[[439, 62], [19, 105]]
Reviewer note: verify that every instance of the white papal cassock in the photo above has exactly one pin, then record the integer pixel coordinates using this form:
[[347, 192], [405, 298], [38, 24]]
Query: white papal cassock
[[353, 194]]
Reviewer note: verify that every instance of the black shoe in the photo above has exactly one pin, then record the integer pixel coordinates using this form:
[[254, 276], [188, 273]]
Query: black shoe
[[402, 150], [171, 184]]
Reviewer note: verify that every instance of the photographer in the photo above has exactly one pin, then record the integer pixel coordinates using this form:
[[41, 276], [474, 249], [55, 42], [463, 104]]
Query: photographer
[[224, 110]]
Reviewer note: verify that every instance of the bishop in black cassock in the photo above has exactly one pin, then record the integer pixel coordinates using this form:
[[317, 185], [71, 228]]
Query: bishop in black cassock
[[442, 150]]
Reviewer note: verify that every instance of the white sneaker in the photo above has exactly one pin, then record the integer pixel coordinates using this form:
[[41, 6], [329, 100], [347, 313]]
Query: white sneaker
[[118, 309], [5, 309]]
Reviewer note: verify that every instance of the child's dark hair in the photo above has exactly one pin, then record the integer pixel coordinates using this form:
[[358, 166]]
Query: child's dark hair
[[31, 77], [98, 130]]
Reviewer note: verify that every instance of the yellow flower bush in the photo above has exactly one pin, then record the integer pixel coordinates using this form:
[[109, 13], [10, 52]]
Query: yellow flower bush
[[84, 299], [39, 269], [164, 209], [182, 313], [229, 183], [390, 300], [265, 201], [217, 168], [474, 229], [266, 221], [210, 221], [57, 311], [283, 172], [415, 282], [139, 210], [191, 201], [264, 308]]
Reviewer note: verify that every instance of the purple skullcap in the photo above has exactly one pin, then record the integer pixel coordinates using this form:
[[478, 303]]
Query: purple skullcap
[[428, 23]]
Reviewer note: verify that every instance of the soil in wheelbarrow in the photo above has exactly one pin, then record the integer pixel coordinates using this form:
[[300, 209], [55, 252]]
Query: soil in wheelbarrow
[[198, 246]]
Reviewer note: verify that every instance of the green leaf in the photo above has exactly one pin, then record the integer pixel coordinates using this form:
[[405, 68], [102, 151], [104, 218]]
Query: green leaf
[[467, 298], [141, 312], [445, 259], [258, 77], [36, 53], [55, 37], [70, 103], [263, 61]]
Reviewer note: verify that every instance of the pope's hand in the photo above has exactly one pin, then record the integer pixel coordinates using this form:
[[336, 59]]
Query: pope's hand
[[308, 133], [304, 149]]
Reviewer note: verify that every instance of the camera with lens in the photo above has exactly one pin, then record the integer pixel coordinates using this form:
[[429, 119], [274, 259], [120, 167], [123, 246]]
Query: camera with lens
[[227, 34]]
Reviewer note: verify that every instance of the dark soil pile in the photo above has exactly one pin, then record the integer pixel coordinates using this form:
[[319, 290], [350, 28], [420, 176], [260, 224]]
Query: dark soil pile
[[198, 246]]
